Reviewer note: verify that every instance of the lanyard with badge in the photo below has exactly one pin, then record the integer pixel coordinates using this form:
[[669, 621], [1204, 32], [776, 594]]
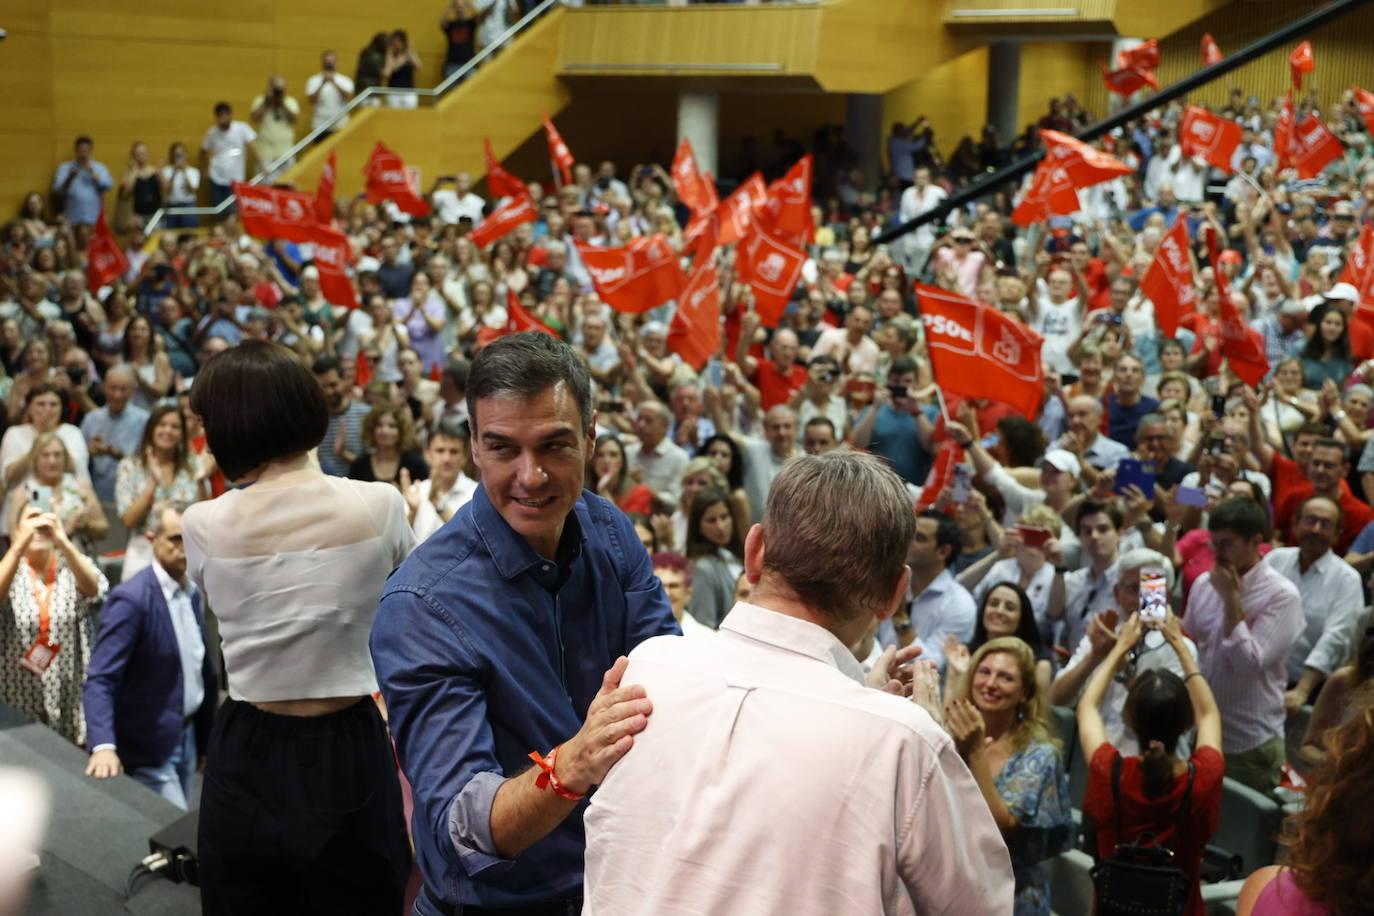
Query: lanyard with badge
[[43, 651]]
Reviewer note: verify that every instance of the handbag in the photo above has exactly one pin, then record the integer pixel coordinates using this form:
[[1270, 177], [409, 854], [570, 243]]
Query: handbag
[[1143, 878]]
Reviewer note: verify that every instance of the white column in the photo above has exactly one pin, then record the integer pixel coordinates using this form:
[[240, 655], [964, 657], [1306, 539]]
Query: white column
[[698, 119]]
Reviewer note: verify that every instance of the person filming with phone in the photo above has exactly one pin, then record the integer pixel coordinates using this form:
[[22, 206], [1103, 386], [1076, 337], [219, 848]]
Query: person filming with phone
[[896, 426], [818, 398]]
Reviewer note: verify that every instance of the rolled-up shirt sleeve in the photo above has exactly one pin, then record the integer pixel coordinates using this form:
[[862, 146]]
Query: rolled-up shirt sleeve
[[469, 824]]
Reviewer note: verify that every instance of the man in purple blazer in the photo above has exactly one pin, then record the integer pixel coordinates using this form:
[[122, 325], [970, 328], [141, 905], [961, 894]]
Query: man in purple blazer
[[151, 689]]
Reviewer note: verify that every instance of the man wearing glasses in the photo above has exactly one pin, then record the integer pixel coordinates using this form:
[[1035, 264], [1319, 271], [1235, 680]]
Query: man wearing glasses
[[1332, 599]]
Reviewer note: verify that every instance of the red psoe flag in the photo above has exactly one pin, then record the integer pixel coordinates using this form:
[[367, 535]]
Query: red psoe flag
[[518, 318], [787, 210], [559, 153], [771, 267], [1364, 100], [1144, 56], [275, 213], [324, 191], [1300, 62], [1169, 281], [1086, 165], [1128, 81], [1210, 136], [1242, 345], [387, 180], [105, 260], [1314, 147], [332, 258], [504, 219], [978, 352], [1051, 194], [701, 236], [500, 182], [1357, 264], [1211, 51], [737, 212], [941, 474], [1284, 129], [643, 275], [694, 333], [687, 178]]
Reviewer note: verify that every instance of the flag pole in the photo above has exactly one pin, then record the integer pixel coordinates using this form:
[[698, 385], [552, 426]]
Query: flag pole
[[940, 396]]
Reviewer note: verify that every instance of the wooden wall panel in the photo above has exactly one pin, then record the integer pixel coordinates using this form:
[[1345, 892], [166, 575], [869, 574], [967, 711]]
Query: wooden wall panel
[[952, 95]]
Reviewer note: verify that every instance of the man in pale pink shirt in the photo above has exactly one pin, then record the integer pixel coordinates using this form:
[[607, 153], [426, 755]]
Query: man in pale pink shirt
[[772, 778], [1246, 617]]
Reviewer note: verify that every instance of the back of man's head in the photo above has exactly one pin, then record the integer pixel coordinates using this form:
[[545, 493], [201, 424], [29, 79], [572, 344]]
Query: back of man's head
[[836, 530], [947, 534]]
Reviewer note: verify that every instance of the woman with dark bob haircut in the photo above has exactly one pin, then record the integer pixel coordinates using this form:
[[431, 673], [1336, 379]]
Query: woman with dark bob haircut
[[301, 809]]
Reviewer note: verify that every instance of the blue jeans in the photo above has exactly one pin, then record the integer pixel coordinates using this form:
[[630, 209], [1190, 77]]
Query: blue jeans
[[176, 221], [219, 192], [172, 779]]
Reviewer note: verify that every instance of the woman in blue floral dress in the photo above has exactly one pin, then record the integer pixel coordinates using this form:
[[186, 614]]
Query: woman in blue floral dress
[[999, 724]]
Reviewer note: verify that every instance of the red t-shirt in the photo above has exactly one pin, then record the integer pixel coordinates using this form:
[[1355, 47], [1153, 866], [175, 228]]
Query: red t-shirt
[[776, 388], [1157, 815], [640, 499], [1355, 515]]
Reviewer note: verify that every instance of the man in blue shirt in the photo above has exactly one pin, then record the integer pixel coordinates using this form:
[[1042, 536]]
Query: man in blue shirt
[[896, 427], [81, 183], [493, 640]]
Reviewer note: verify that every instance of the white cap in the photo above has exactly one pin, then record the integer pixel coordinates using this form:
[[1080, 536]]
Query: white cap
[[1062, 460], [1343, 291]]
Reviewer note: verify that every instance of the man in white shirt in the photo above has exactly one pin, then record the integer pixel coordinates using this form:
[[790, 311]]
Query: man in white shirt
[[740, 797], [1057, 316], [661, 462], [274, 114], [224, 152], [432, 502], [452, 204], [817, 398], [920, 198], [328, 91], [1246, 617], [1152, 651], [1090, 590], [940, 607], [1095, 451], [1332, 598]]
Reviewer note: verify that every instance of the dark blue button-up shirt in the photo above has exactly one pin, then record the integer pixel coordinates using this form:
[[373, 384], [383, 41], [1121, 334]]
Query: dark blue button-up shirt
[[485, 651]]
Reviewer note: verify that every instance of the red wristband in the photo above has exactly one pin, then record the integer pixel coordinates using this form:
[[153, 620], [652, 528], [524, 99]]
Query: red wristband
[[547, 779]]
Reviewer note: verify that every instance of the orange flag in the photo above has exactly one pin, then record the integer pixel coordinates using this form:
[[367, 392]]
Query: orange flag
[[787, 211], [500, 182], [1283, 134], [695, 331], [1314, 147], [518, 318], [1128, 80], [737, 211], [1169, 281], [105, 260], [771, 267], [1300, 62], [501, 221], [1242, 344], [1144, 56], [324, 191], [643, 275], [1211, 51], [559, 153], [1210, 136], [687, 179], [387, 179]]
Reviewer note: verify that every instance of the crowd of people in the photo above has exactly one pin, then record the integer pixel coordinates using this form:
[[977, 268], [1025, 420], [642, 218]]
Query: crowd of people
[[1148, 460]]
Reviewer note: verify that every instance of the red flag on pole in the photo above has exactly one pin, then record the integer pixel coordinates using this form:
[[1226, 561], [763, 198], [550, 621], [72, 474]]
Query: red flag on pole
[[324, 191], [694, 333], [1127, 81], [1300, 62], [1144, 56], [787, 210], [518, 318], [1314, 147], [105, 260], [1364, 100], [275, 213], [504, 219], [643, 275], [331, 259], [1211, 51], [701, 235], [1085, 165], [771, 267], [1241, 344], [1357, 264], [559, 153], [978, 352], [737, 211], [1051, 194], [1283, 134], [1169, 281], [362, 370], [1210, 136], [687, 179], [941, 474], [500, 182], [387, 180]]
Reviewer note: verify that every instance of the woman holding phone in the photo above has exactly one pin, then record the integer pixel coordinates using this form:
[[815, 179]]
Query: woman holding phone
[[53, 486]]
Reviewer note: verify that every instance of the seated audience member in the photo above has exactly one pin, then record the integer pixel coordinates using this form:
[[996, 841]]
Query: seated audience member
[[675, 572], [1029, 567], [1246, 618], [940, 608], [716, 548], [1326, 354], [50, 590], [610, 477], [897, 427], [161, 470], [936, 851], [765, 457], [433, 501], [52, 485], [689, 428], [1152, 791], [1000, 724], [818, 436], [1332, 598], [1154, 441], [1005, 611], [980, 531], [388, 435], [1325, 871], [818, 398], [151, 690], [1094, 451]]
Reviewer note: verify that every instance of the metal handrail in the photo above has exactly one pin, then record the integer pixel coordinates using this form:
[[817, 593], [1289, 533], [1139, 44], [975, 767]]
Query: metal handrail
[[370, 92]]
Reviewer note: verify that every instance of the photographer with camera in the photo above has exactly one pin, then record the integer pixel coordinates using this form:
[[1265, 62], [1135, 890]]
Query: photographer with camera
[[896, 427], [329, 90], [274, 115], [817, 398]]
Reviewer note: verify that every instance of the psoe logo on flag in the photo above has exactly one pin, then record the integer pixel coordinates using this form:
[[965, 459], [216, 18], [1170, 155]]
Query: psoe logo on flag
[[1203, 130], [607, 275], [771, 269], [329, 254], [260, 206], [1008, 349], [940, 325], [293, 210]]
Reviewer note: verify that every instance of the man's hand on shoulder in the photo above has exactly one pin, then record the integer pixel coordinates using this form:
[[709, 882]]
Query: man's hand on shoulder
[[614, 718]]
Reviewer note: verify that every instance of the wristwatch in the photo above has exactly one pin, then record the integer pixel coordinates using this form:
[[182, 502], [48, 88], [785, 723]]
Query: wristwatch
[[1338, 415]]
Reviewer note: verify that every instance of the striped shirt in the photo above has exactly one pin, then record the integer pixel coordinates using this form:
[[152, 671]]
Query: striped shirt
[[352, 419], [1247, 670]]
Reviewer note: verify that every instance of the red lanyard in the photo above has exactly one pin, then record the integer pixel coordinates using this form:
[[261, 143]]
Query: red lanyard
[[42, 597]]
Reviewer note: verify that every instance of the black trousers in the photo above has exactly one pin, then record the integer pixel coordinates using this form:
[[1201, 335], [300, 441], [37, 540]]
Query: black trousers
[[301, 815]]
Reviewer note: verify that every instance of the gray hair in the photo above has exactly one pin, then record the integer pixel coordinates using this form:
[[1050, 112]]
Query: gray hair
[[157, 514], [1151, 419], [1140, 557], [525, 364], [1360, 389], [553, 246], [836, 531]]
